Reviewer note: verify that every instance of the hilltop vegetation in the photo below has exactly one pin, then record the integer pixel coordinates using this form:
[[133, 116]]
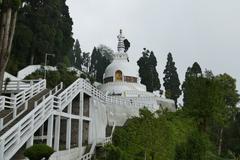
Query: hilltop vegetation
[[207, 127]]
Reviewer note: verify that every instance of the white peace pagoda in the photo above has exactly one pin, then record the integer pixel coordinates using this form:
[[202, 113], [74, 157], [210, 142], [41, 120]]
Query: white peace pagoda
[[121, 77]]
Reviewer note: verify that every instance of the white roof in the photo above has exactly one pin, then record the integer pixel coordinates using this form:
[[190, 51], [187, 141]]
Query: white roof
[[123, 65]]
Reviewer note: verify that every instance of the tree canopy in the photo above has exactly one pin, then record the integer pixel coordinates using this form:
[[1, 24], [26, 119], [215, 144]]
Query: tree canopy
[[148, 72], [171, 80], [42, 27]]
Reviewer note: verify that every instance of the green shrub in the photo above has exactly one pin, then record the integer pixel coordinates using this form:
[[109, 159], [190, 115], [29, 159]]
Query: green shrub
[[38, 152]]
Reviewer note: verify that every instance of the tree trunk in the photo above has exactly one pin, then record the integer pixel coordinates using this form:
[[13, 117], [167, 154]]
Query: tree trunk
[[32, 59], [12, 31], [220, 141], [3, 21], [6, 20], [8, 23]]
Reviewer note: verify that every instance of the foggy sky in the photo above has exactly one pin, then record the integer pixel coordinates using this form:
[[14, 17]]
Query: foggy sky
[[206, 31]]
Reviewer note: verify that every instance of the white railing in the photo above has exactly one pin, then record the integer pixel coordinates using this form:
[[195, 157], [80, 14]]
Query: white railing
[[21, 97], [108, 140], [19, 85], [88, 156], [17, 101], [82, 85], [54, 91], [14, 138]]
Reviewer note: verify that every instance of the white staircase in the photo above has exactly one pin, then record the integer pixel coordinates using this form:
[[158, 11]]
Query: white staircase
[[14, 138]]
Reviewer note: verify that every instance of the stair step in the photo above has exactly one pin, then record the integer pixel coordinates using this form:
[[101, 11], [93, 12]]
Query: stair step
[[5, 112], [29, 109]]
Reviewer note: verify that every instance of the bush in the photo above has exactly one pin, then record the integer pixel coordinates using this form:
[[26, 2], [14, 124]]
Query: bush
[[195, 148], [55, 77], [38, 152]]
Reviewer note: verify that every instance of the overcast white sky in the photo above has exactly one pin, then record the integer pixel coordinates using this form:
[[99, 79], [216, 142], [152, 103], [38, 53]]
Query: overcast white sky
[[206, 31]]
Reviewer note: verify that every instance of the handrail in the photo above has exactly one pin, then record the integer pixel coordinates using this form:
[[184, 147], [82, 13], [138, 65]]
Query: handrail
[[19, 84], [54, 91], [17, 135], [25, 128], [18, 100], [81, 84], [88, 156]]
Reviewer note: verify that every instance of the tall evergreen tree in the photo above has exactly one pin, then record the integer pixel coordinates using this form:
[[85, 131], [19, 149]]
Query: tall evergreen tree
[[153, 71], [71, 58], [101, 57], [86, 60], [42, 27], [194, 71], [78, 55], [147, 71], [92, 68], [171, 80]]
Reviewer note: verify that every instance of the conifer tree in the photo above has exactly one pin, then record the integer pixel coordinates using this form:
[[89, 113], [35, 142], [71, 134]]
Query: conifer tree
[[194, 71], [92, 69], [42, 27], [78, 55], [171, 80], [86, 60], [154, 74], [147, 71], [100, 59]]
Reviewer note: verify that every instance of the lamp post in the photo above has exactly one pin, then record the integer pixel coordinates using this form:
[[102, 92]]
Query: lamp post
[[45, 64]]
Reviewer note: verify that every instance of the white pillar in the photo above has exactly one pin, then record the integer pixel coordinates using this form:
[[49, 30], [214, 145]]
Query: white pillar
[[30, 142], [1, 149], [42, 131], [57, 133], [69, 127], [80, 129], [90, 130], [50, 131]]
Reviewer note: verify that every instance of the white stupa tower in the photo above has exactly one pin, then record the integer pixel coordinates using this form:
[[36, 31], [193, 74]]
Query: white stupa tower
[[121, 77]]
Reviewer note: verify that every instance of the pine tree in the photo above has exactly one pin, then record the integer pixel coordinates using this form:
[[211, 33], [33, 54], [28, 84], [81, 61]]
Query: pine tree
[[194, 71], [100, 59], [92, 68], [42, 27], [147, 71], [154, 74], [86, 60], [171, 80], [78, 55]]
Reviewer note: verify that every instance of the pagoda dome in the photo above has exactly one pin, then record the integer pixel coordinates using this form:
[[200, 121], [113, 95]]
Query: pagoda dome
[[121, 77], [120, 70]]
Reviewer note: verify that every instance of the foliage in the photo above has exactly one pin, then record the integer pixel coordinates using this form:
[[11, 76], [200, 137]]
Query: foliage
[[195, 148], [38, 152], [147, 71], [205, 101], [42, 27], [194, 71], [171, 80], [100, 59], [77, 52], [55, 77], [115, 153], [231, 136], [86, 60], [159, 135], [127, 45]]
